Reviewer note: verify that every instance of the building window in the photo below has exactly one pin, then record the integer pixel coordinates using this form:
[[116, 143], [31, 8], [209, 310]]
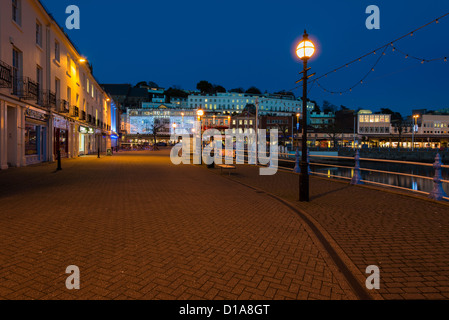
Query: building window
[[57, 52], [69, 95], [16, 70], [57, 88], [69, 66], [16, 14], [38, 33]]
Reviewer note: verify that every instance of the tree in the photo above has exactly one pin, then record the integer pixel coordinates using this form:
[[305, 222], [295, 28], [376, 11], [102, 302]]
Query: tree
[[152, 84], [253, 90], [237, 90], [155, 128], [174, 92], [140, 84], [333, 131], [329, 107], [398, 123], [218, 88], [283, 129], [205, 86]]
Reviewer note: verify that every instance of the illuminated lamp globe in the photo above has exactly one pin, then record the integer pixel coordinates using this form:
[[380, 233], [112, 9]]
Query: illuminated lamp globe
[[305, 49]]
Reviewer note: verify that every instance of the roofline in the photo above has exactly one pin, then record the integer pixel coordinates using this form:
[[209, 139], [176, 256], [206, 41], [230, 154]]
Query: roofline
[[74, 47]]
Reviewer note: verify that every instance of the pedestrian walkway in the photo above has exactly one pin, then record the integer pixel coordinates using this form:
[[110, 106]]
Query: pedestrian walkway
[[406, 236], [139, 227]]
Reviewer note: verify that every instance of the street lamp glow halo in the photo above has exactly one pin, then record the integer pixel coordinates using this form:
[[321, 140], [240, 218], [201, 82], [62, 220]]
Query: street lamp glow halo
[[305, 49], [200, 113]]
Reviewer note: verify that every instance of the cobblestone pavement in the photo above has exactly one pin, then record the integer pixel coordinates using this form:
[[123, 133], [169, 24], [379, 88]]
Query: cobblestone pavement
[[407, 237], [139, 227]]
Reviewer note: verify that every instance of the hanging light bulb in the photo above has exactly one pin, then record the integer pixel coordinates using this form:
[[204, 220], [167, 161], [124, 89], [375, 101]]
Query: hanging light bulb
[[372, 69], [437, 21], [422, 62], [374, 52], [406, 56], [361, 81], [394, 49], [445, 59], [411, 34]]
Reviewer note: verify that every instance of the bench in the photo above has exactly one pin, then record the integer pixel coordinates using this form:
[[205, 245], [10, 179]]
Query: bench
[[226, 167]]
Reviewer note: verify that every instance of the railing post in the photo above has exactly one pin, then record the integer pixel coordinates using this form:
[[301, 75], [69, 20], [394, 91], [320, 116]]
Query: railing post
[[297, 168], [356, 178], [437, 192]]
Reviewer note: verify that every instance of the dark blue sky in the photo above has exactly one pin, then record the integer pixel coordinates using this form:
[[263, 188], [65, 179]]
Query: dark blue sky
[[251, 43]]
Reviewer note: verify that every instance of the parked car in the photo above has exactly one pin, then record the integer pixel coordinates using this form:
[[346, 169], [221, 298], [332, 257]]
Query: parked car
[[161, 144]]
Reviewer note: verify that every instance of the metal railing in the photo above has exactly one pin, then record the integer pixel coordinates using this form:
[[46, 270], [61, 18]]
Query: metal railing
[[75, 112], [63, 106], [49, 99], [5, 75], [437, 193]]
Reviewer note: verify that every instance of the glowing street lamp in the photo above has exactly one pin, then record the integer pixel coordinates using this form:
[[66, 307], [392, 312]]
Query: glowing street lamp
[[415, 127], [200, 114], [304, 51]]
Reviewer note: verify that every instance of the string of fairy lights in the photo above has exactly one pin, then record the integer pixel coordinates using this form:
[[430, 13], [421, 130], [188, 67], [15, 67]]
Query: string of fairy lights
[[382, 50]]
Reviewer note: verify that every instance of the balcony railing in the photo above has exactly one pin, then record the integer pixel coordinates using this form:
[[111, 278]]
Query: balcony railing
[[64, 106], [49, 99], [75, 112], [32, 89], [27, 89], [5, 75], [19, 87]]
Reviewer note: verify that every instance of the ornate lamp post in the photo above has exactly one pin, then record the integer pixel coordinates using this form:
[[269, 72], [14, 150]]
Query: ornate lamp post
[[200, 114], [415, 125], [304, 51]]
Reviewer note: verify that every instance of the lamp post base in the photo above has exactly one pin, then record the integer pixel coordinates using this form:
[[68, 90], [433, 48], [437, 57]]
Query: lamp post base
[[304, 183]]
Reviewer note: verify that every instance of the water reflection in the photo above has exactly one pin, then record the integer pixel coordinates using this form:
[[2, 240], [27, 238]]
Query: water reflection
[[414, 183]]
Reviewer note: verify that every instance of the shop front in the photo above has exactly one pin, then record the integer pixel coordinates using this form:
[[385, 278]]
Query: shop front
[[61, 137], [36, 133], [85, 137]]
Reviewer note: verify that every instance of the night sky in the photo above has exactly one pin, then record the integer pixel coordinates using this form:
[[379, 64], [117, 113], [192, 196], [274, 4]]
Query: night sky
[[251, 43]]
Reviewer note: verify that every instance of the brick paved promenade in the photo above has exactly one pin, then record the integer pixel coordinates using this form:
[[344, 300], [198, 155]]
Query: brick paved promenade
[[139, 227], [406, 236]]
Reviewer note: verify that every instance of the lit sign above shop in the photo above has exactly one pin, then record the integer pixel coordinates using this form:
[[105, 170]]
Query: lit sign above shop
[[85, 130]]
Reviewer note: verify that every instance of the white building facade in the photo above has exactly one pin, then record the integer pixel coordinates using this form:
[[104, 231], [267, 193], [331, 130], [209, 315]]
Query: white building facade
[[49, 99], [229, 103]]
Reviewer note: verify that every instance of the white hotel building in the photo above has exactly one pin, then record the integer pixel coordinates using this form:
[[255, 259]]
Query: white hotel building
[[229, 102], [49, 99]]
